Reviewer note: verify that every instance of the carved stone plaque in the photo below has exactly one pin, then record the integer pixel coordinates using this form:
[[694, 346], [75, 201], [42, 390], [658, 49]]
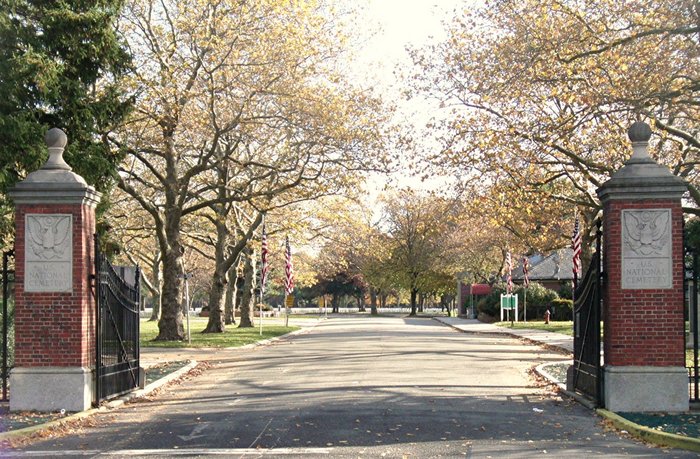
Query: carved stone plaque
[[48, 253], [646, 249]]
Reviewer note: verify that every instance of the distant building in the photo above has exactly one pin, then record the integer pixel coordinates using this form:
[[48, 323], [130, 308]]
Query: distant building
[[467, 297], [552, 270]]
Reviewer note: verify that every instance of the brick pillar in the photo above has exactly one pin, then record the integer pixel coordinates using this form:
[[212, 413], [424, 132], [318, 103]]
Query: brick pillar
[[643, 295], [54, 304]]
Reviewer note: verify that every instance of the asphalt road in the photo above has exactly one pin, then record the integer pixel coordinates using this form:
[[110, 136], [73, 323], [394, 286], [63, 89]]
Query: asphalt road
[[357, 387]]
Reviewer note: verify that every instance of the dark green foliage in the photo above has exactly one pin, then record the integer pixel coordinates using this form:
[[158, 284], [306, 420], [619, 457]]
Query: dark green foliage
[[491, 303], [539, 299], [692, 234], [10, 328], [59, 63], [562, 309], [566, 290]]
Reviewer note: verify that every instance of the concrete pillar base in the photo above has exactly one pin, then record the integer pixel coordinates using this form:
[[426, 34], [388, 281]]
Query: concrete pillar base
[[646, 388], [51, 389]]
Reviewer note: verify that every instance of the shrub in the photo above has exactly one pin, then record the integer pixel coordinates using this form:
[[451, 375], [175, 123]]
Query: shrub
[[565, 290], [562, 309], [491, 303], [539, 299]]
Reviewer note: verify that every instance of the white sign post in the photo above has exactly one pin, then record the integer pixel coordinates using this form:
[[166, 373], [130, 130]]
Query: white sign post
[[509, 302]]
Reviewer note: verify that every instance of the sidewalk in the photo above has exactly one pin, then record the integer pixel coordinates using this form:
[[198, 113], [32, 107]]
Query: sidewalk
[[562, 343], [163, 365], [677, 430]]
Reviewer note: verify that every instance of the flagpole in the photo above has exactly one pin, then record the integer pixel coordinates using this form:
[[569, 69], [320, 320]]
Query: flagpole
[[576, 263], [289, 280], [263, 270], [525, 305], [262, 293], [526, 284]]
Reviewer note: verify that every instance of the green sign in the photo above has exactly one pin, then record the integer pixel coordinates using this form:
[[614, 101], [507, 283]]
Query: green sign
[[509, 301]]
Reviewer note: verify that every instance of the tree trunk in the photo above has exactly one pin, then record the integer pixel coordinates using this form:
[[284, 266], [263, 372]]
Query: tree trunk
[[247, 299], [170, 327], [230, 299], [238, 292], [155, 313], [414, 294], [215, 324], [373, 302]]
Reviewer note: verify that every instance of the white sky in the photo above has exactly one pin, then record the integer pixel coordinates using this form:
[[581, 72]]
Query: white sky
[[392, 25], [389, 27]]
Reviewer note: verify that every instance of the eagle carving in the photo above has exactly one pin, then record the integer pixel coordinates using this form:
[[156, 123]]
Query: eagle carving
[[646, 232], [48, 235]]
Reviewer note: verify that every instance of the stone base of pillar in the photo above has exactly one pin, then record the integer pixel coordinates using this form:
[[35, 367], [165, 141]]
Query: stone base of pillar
[[51, 389], [646, 388]]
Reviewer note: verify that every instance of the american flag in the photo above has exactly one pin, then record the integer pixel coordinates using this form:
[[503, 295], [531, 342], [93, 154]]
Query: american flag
[[288, 269], [265, 268], [509, 268], [526, 270], [576, 246]]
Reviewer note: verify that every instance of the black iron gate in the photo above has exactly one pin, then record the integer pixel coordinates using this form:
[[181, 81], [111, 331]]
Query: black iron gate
[[8, 280], [691, 296], [587, 368], [117, 340]]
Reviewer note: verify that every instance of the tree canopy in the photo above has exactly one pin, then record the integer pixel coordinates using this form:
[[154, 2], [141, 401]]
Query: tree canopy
[[60, 63], [539, 95]]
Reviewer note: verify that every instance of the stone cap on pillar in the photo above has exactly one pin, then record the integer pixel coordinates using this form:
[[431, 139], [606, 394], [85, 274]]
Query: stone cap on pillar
[[55, 182], [642, 177]]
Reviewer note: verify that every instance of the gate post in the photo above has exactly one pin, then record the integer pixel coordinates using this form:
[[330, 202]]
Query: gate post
[[643, 292], [54, 305]]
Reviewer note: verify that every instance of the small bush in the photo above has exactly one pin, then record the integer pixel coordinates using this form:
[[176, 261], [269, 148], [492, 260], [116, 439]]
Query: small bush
[[491, 303], [562, 309], [565, 290], [539, 299]]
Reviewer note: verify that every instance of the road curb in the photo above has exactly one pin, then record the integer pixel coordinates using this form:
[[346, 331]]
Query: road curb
[[265, 342], [638, 431], [27, 431], [651, 435], [506, 332], [113, 404]]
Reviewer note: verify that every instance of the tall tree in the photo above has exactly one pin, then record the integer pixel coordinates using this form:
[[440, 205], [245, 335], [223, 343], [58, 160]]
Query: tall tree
[[418, 226], [539, 95], [233, 96], [59, 67]]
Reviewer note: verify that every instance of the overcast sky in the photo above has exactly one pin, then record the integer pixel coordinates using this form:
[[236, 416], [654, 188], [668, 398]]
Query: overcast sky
[[396, 24], [391, 26]]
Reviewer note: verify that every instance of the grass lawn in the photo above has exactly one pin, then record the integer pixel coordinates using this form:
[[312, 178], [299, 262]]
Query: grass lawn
[[232, 337], [564, 327]]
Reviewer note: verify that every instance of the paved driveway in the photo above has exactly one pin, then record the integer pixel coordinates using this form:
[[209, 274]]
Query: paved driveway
[[358, 387]]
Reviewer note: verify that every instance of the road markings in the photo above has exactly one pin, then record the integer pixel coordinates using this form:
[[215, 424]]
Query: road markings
[[273, 452], [261, 433], [195, 432]]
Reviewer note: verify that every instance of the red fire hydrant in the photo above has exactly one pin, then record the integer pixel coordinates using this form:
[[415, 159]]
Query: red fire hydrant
[[546, 317]]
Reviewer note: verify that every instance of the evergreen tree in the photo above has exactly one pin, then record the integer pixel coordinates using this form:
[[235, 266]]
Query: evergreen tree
[[59, 65]]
